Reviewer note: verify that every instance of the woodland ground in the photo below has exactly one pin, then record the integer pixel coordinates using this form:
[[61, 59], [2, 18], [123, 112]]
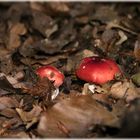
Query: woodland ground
[[34, 34]]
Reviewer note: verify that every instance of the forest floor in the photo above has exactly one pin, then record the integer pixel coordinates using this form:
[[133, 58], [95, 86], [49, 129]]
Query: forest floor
[[35, 34]]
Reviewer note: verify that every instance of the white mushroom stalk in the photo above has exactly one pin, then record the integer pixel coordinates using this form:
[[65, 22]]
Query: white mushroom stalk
[[55, 93]]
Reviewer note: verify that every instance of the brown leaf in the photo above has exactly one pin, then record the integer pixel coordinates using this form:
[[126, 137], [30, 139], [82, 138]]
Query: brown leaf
[[124, 90], [16, 134], [119, 108], [8, 112], [7, 86], [106, 13], [41, 21], [14, 36], [16, 10], [130, 123], [30, 118], [137, 50], [26, 49], [57, 8], [16, 79], [7, 102], [6, 64], [104, 98], [75, 116], [42, 88], [37, 6]]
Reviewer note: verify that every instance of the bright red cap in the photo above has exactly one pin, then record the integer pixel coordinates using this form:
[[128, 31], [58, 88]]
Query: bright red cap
[[52, 73], [97, 70]]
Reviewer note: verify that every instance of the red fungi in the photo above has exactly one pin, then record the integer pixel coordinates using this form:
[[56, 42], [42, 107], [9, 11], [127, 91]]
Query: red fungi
[[97, 70], [52, 73]]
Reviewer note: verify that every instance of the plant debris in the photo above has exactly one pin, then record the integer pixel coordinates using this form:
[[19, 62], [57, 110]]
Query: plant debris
[[61, 34]]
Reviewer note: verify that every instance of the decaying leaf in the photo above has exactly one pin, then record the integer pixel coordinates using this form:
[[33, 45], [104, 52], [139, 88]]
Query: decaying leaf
[[6, 125], [130, 125], [123, 37], [58, 7], [15, 31], [106, 13], [33, 34], [119, 108], [12, 80], [41, 21], [42, 88], [125, 90], [74, 116], [10, 117], [27, 48], [116, 24], [7, 86], [30, 118], [137, 50], [8, 112], [6, 64], [16, 134], [7, 102]]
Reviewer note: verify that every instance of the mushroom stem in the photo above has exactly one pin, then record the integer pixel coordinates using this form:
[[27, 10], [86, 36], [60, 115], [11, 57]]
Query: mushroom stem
[[55, 93]]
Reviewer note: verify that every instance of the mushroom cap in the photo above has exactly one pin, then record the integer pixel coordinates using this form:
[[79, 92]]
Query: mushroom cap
[[52, 73], [97, 70]]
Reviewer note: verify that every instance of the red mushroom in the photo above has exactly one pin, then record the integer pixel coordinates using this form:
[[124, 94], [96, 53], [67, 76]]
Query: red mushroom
[[97, 70], [52, 73]]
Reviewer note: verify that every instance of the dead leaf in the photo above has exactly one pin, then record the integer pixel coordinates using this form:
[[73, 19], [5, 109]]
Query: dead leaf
[[137, 50], [76, 115], [119, 108], [6, 64], [33, 34], [30, 118], [44, 61], [16, 134], [15, 11], [14, 36], [41, 21], [124, 90], [6, 85], [57, 8], [106, 13], [7, 102], [8, 113], [37, 6], [116, 24], [42, 88], [123, 38], [130, 123]]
